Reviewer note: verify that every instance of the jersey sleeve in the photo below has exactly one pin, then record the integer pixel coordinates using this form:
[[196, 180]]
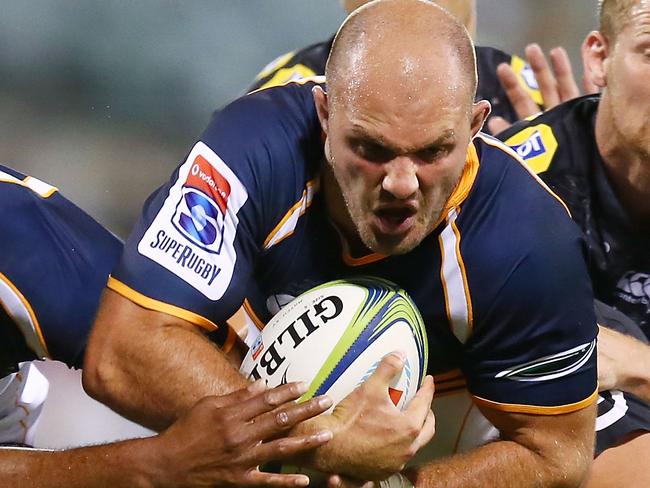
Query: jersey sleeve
[[194, 249], [534, 341], [54, 264]]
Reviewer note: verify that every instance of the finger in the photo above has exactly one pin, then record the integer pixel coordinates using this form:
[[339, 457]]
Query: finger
[[426, 434], [566, 83], [334, 481], [420, 405], [243, 394], [287, 447], [260, 478], [279, 420], [543, 74], [497, 124], [269, 400], [389, 367], [519, 98]]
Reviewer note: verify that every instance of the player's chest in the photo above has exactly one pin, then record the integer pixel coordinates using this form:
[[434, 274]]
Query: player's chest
[[315, 255]]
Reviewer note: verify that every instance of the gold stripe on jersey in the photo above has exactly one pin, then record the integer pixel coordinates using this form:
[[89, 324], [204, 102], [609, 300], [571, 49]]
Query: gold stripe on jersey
[[21, 312], [537, 409], [288, 223], [458, 302], [230, 341], [39, 187], [465, 184], [518, 65], [158, 306], [252, 315], [508, 150]]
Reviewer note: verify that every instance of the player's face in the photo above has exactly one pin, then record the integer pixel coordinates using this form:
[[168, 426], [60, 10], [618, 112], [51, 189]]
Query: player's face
[[396, 160], [628, 80]]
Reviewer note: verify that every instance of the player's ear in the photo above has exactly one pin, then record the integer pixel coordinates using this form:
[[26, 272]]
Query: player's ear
[[480, 112], [595, 51], [322, 109]]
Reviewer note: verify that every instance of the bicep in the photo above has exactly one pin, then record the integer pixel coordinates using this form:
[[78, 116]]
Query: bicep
[[563, 441]]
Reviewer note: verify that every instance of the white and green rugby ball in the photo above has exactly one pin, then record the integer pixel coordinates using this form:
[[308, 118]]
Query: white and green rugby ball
[[333, 337]]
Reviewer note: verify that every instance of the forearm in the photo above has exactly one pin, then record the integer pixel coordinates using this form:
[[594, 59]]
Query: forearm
[[500, 464], [155, 369], [635, 378], [126, 464]]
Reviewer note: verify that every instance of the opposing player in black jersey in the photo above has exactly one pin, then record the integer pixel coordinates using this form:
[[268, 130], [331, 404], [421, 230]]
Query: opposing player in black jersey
[[595, 153], [381, 172], [54, 262], [507, 81]]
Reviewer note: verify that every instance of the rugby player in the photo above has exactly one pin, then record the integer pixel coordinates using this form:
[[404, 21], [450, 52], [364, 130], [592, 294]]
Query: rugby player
[[508, 82], [383, 172], [54, 263], [595, 153]]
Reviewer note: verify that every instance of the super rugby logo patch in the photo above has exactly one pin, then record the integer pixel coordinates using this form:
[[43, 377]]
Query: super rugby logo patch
[[201, 211], [193, 233]]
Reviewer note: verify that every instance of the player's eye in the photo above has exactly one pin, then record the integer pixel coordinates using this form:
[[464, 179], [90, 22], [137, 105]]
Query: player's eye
[[431, 154], [371, 151]]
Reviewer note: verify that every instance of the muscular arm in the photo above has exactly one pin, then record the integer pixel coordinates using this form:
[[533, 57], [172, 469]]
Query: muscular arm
[[534, 450], [133, 354], [219, 442], [126, 464], [623, 363]]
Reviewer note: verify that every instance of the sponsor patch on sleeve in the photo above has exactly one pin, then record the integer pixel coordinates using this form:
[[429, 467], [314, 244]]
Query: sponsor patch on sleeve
[[536, 145], [194, 232]]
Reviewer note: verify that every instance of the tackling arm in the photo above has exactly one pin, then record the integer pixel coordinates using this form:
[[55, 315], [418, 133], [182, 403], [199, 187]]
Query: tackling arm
[[623, 363], [219, 442], [133, 353]]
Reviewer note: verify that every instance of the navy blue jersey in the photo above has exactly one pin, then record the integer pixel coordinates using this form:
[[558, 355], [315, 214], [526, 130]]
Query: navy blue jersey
[[560, 146], [54, 263], [501, 282], [311, 60]]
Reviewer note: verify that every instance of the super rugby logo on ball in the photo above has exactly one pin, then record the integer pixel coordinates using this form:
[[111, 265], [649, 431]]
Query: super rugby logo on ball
[[334, 335], [200, 213]]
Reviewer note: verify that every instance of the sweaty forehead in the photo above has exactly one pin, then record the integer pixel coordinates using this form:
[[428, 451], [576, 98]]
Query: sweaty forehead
[[396, 77]]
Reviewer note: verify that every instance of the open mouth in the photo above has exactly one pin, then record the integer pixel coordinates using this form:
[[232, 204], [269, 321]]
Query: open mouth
[[395, 220]]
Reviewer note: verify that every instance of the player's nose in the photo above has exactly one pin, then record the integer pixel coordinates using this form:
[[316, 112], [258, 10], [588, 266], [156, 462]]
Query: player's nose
[[401, 178]]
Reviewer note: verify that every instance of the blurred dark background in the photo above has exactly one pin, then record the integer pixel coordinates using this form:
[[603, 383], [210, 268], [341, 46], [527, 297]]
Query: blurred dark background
[[103, 99]]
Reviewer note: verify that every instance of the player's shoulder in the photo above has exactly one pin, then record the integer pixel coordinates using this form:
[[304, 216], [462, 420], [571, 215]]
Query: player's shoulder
[[508, 199], [304, 63], [38, 221], [551, 137], [504, 177]]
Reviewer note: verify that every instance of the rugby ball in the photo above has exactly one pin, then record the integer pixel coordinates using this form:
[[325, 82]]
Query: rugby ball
[[334, 336]]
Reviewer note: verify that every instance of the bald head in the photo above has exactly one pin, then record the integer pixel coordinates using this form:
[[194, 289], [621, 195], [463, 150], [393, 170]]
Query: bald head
[[464, 10], [405, 47]]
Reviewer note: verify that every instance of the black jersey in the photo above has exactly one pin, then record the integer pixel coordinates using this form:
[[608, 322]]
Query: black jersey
[[560, 146], [311, 60]]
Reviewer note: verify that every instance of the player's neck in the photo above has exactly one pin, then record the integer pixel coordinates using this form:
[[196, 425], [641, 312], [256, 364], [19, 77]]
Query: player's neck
[[628, 170]]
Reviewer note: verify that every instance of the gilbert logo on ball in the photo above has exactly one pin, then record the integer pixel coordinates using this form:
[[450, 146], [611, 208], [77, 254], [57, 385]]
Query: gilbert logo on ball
[[333, 337]]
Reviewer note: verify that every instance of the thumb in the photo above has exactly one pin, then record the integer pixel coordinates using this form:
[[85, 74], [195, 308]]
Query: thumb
[[389, 367]]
